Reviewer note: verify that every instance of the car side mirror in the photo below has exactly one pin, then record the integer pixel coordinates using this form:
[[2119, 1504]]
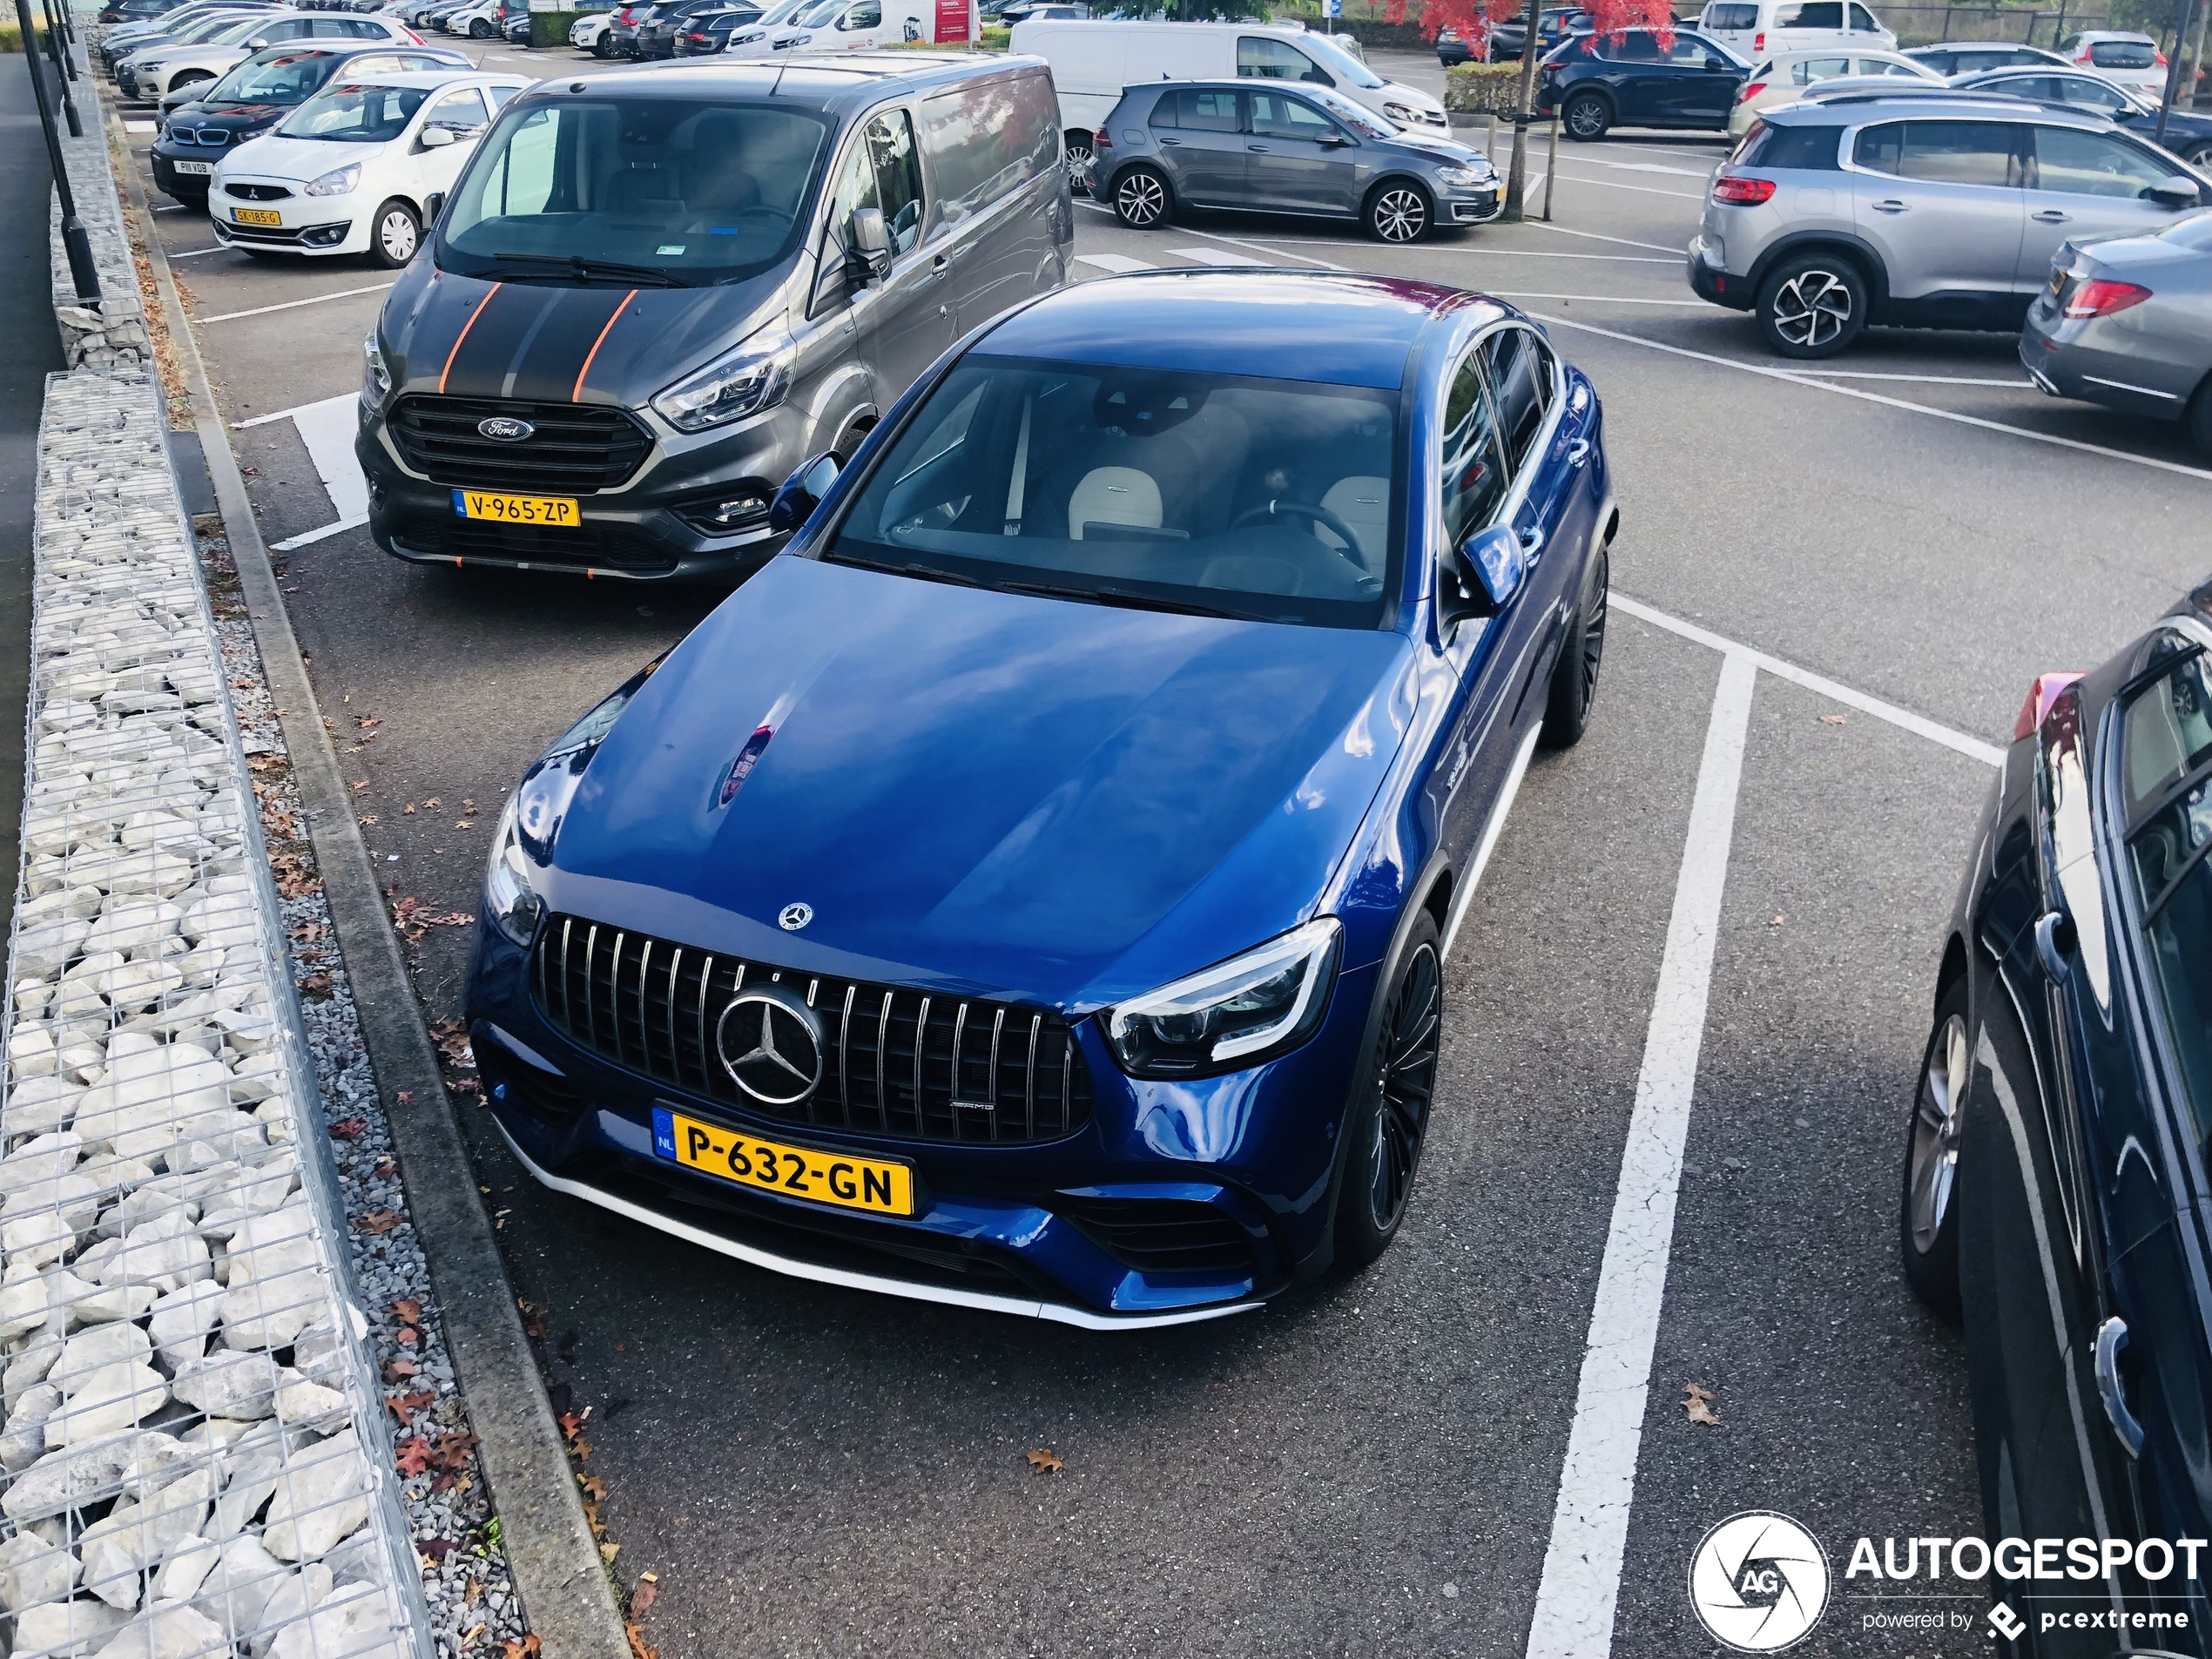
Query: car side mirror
[[1712, 62], [2176, 192], [433, 205], [256, 44], [802, 493], [871, 244], [436, 137], [1482, 576]]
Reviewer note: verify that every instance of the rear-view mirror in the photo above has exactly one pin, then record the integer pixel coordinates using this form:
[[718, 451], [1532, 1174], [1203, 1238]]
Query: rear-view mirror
[[871, 244], [436, 137], [1482, 576], [2176, 192], [256, 44], [803, 491]]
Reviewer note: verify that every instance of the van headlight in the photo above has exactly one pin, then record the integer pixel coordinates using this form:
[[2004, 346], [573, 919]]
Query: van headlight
[[1404, 114], [1233, 1015], [751, 378], [376, 378], [509, 901], [748, 36], [336, 182]]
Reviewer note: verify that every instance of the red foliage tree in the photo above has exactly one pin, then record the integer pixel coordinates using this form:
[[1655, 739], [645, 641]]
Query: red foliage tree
[[1472, 20]]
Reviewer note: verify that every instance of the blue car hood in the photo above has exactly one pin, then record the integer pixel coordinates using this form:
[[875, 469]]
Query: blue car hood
[[992, 793]]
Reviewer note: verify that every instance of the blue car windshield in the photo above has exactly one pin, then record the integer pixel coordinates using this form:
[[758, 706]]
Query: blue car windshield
[[1269, 500]]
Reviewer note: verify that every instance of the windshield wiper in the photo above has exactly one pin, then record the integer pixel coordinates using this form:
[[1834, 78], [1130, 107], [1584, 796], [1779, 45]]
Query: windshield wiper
[[1124, 599], [927, 572], [650, 275]]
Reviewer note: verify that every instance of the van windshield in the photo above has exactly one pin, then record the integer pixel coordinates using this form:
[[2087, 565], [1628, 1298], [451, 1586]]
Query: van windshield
[[669, 192]]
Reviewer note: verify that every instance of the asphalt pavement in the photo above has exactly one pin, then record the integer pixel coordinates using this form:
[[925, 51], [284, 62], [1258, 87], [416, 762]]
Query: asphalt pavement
[[1908, 534]]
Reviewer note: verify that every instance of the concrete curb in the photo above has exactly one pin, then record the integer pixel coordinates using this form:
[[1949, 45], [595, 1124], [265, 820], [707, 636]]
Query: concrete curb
[[559, 1575]]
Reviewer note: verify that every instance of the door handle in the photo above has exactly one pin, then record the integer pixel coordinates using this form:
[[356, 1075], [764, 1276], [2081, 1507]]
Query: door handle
[[1172, 143], [1258, 149], [937, 265], [1578, 452], [1892, 206], [1531, 540], [2054, 937], [2112, 1336], [2050, 216]]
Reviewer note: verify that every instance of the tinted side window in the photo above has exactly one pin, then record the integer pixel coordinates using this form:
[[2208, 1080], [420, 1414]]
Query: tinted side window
[[984, 142], [1519, 372], [1636, 46], [2093, 164], [1951, 153], [1689, 52], [1195, 108], [1276, 116], [2084, 93], [1475, 468], [1806, 70], [1810, 149], [461, 111], [1276, 60], [1812, 14], [1862, 18], [1731, 15]]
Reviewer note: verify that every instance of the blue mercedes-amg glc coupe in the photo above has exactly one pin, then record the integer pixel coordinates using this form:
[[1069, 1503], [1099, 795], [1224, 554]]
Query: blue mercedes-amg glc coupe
[[1030, 890]]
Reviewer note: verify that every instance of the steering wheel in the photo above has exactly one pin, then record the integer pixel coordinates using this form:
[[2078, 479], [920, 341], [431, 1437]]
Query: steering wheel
[[1349, 552]]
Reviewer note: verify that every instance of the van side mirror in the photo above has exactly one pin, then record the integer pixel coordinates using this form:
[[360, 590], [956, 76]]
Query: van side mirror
[[1482, 576], [871, 244], [802, 493], [2176, 192]]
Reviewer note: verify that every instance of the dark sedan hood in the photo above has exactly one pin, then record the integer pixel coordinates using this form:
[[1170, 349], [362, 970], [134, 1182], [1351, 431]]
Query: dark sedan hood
[[532, 340], [1063, 802], [1442, 148], [236, 117]]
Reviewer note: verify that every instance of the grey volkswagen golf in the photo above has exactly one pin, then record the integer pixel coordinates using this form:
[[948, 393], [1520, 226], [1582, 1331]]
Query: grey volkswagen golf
[[1274, 149], [1934, 210]]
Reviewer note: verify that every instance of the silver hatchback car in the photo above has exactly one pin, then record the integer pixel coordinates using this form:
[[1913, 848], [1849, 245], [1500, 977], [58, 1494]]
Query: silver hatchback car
[[1936, 210]]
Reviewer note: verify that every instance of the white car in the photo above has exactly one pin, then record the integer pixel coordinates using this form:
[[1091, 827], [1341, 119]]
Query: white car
[[2132, 60], [352, 170], [1783, 77], [149, 77], [815, 26], [586, 32], [1752, 28], [480, 21]]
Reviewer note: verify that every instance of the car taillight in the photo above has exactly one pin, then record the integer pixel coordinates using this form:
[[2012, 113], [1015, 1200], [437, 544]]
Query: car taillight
[[2160, 57], [1100, 141], [1758, 41], [412, 36], [2040, 696], [1750, 91], [1742, 192], [2100, 297]]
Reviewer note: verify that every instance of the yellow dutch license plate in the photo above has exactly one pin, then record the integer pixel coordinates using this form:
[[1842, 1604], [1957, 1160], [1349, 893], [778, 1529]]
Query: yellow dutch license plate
[[256, 216], [875, 1184], [558, 510]]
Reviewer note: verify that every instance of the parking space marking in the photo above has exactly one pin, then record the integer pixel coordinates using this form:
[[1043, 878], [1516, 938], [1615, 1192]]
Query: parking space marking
[[141, 126], [1260, 247], [1595, 299], [198, 253], [1834, 691], [291, 305], [327, 427], [1581, 1586], [1487, 253], [1217, 256], [1656, 248], [1799, 378], [1118, 263], [1917, 379]]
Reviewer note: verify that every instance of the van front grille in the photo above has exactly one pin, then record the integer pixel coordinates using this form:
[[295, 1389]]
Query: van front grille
[[898, 1063], [572, 449]]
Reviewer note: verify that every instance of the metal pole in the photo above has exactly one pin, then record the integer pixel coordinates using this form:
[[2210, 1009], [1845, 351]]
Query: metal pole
[[2173, 69], [2058, 34], [74, 240], [1551, 168], [1517, 173], [57, 36], [2196, 55], [61, 79]]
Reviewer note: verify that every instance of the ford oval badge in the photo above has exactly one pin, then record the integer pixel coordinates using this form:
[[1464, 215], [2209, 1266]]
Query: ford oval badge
[[506, 429]]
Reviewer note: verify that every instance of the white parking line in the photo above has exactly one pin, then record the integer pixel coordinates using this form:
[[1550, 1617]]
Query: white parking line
[[1798, 378], [327, 427], [1656, 248], [142, 126], [1117, 263], [1581, 1586], [290, 305], [1835, 691], [1917, 379], [1481, 253], [1595, 299], [1216, 256], [198, 253]]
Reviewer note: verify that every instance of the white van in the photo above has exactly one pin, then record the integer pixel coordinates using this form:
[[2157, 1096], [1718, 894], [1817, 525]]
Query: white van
[[1753, 27], [1092, 62], [854, 26]]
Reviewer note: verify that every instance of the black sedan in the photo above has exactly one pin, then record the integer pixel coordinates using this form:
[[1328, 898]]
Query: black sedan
[[2055, 1184], [709, 31], [1506, 38], [1635, 78], [252, 97], [2187, 135], [657, 35]]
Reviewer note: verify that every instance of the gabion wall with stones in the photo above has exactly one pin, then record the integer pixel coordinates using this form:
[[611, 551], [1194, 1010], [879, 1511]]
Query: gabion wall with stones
[[182, 1463], [114, 336]]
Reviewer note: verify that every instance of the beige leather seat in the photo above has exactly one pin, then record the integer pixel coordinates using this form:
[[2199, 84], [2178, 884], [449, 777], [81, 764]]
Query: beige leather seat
[[1114, 496], [1363, 503]]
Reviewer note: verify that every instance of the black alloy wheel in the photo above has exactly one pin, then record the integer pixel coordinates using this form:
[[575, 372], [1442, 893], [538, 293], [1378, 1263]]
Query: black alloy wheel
[[1581, 655], [1399, 213], [1143, 199], [1928, 1212], [479, 30], [1587, 117], [1388, 1125]]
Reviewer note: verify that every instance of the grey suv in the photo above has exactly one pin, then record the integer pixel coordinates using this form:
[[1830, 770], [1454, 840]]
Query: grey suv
[[1935, 211], [1282, 149]]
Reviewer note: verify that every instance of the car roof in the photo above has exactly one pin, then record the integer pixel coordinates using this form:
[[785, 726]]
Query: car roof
[[1851, 108], [433, 77], [1350, 330], [834, 86], [2115, 34]]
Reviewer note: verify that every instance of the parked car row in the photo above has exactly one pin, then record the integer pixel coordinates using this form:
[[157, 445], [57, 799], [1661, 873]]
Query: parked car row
[[205, 42]]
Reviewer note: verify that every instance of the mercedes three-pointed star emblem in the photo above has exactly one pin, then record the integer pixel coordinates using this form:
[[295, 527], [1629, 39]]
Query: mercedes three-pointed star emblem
[[771, 1044]]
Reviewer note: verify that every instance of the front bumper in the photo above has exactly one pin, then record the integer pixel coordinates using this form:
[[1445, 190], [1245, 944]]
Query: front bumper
[[1010, 1227], [168, 179], [1479, 207], [316, 225], [637, 531]]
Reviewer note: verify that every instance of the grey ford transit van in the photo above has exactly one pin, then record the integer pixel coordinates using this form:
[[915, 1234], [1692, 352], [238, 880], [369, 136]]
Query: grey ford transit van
[[654, 292]]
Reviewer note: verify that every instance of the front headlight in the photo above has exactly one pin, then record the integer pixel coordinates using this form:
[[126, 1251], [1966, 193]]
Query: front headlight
[[376, 379], [748, 36], [1403, 114], [1234, 1014], [509, 901], [336, 182], [754, 377], [1467, 178]]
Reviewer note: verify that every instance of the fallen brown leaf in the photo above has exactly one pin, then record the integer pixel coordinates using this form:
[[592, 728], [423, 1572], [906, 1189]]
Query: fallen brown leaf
[[413, 1455], [1696, 1405], [642, 1598], [533, 1316], [636, 1632], [1043, 1461], [1835, 719], [348, 1129], [408, 807], [363, 784], [408, 1311], [379, 1221], [608, 1552], [404, 1406], [399, 1370], [594, 1487], [525, 1648]]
